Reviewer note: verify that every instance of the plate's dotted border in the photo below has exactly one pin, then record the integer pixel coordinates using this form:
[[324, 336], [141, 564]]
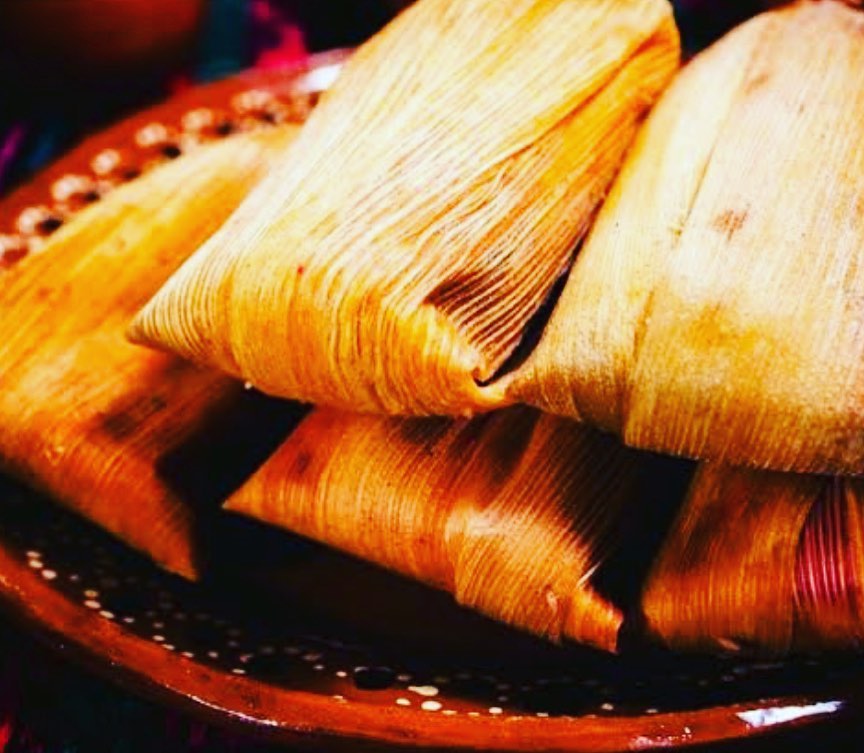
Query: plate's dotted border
[[231, 651], [160, 618], [153, 144]]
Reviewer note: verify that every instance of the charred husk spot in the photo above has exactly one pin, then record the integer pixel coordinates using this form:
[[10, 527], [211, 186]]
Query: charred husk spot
[[125, 422], [301, 464], [757, 82], [455, 291], [425, 432], [729, 222]]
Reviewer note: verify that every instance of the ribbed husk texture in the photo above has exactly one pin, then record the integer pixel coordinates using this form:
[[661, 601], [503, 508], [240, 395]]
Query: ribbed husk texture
[[715, 310], [393, 258], [84, 415], [762, 563], [511, 512]]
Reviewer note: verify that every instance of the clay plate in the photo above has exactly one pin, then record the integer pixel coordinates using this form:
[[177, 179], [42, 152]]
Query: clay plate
[[300, 645]]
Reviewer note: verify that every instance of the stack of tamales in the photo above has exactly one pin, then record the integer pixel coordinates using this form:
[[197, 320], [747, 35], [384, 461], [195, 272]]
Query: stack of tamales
[[482, 251]]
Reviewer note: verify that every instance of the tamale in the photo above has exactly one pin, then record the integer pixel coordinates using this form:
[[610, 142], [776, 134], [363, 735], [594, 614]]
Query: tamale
[[511, 512], [84, 415], [763, 563], [725, 577], [394, 257], [715, 309]]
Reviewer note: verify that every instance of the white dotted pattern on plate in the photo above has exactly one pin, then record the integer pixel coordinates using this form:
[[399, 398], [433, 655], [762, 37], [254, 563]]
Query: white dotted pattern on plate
[[153, 144], [186, 619]]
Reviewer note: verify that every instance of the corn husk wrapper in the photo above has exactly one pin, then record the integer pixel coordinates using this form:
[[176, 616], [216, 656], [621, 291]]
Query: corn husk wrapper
[[84, 415], [394, 257], [829, 575], [510, 512], [763, 563], [715, 309]]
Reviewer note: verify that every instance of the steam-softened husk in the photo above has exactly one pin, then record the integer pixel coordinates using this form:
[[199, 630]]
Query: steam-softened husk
[[84, 415], [511, 512], [761, 562], [392, 260], [715, 311]]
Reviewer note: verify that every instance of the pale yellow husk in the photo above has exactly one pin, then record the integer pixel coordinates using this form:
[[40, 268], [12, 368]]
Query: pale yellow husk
[[510, 512], [716, 309], [391, 261], [84, 415]]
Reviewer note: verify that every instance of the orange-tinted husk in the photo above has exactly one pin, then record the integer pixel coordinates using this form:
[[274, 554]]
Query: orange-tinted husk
[[84, 415], [511, 512]]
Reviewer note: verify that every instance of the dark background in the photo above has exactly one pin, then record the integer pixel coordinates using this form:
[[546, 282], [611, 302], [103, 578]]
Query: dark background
[[63, 74]]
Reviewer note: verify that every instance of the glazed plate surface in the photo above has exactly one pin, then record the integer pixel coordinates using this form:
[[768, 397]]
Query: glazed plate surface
[[309, 645]]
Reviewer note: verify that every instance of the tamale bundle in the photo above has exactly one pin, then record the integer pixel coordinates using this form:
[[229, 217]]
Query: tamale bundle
[[715, 310], [761, 562], [511, 512], [392, 260], [84, 415]]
